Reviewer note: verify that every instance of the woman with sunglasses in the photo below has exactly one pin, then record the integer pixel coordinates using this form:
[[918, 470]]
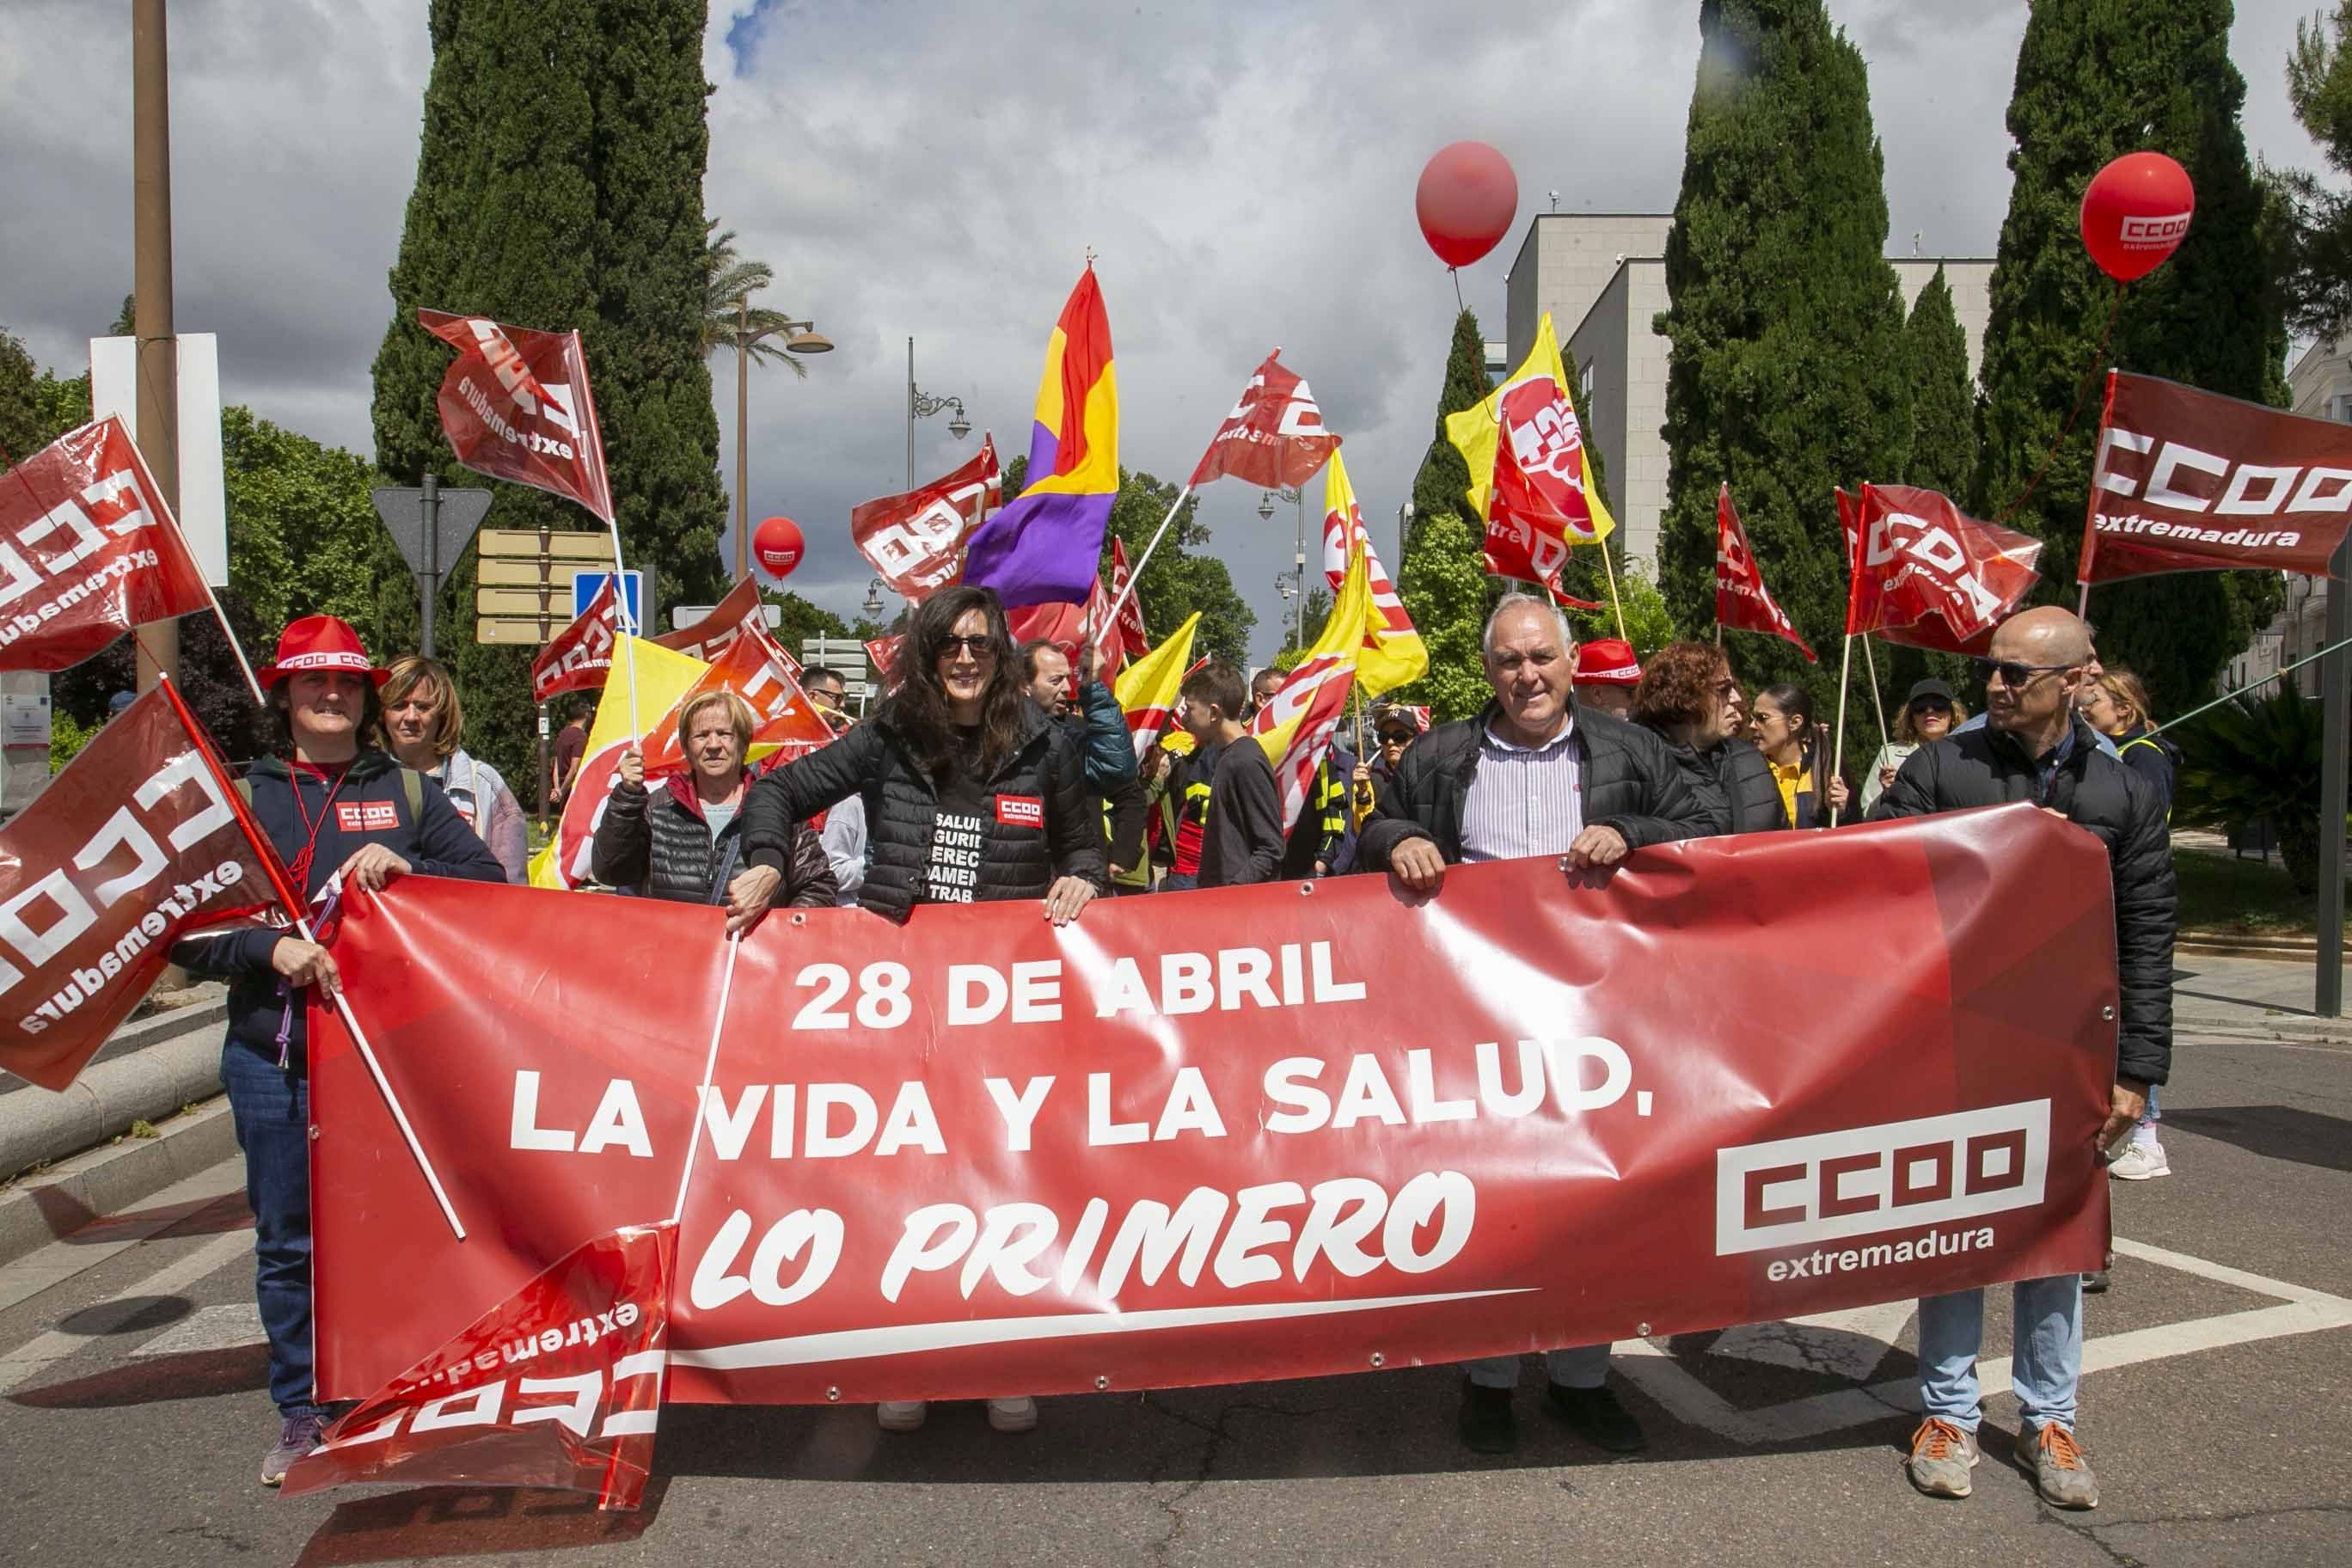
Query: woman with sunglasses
[[1688, 698], [1392, 730], [1789, 737], [1928, 714], [972, 794]]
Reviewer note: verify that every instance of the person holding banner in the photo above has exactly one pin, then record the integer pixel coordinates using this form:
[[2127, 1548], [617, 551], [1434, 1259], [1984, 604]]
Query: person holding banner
[[333, 806], [1532, 774], [1689, 699], [1790, 739], [423, 723], [686, 843], [2035, 747]]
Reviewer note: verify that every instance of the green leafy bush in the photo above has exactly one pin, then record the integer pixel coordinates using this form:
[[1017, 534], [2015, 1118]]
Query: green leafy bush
[[2253, 759]]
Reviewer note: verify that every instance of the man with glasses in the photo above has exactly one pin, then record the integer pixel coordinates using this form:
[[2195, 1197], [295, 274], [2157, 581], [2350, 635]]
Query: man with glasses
[[2034, 747]]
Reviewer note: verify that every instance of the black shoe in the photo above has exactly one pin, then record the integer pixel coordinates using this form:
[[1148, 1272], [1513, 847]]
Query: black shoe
[[1487, 1423], [2095, 1283], [1597, 1417]]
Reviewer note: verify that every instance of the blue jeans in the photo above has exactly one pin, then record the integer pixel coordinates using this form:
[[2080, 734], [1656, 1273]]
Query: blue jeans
[[2045, 1368], [1585, 1366], [1172, 883], [2146, 1132], [271, 1107]]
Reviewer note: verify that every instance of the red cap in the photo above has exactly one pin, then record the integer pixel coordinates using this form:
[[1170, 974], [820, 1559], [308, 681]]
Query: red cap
[[1607, 661], [319, 642]]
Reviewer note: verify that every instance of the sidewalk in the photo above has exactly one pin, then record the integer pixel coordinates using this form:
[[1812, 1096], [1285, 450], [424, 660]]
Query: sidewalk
[[2248, 998]]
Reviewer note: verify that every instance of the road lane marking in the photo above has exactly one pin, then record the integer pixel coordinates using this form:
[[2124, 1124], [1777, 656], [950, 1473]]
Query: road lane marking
[[209, 1328], [38, 1355]]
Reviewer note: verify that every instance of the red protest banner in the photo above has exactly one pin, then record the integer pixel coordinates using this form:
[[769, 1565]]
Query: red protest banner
[[1275, 437], [87, 550], [559, 1385], [2192, 481], [915, 541], [714, 634], [515, 406], [1742, 603], [134, 845], [579, 657], [1926, 574], [1239, 1134], [754, 669]]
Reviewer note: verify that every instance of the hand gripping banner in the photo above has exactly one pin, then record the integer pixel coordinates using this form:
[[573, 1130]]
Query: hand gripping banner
[[1260, 1132]]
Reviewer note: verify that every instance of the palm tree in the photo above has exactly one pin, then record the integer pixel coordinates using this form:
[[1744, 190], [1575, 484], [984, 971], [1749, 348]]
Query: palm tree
[[728, 281]]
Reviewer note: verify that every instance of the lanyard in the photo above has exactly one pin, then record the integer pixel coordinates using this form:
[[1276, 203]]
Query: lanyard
[[301, 870]]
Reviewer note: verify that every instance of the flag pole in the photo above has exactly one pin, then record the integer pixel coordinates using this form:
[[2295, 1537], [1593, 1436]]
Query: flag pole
[[1886, 736], [1837, 750], [295, 911], [1136, 575], [710, 1069], [147, 475], [1613, 603]]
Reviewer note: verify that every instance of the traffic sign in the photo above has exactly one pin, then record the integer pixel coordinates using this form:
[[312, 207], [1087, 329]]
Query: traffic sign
[[573, 545], [552, 601], [516, 634], [431, 526], [587, 585], [684, 616]]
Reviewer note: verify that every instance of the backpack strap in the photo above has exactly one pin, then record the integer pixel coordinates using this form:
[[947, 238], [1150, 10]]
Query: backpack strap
[[411, 784]]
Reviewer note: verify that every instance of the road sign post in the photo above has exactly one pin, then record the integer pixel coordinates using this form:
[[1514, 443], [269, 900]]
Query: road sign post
[[431, 526], [525, 592]]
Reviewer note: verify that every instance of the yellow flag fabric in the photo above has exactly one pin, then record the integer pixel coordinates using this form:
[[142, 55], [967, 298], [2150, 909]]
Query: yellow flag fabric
[[1394, 654], [1296, 725], [1148, 688], [663, 679], [1477, 433]]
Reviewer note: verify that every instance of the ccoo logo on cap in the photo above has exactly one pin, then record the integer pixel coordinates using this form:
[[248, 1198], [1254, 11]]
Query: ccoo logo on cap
[[320, 643]]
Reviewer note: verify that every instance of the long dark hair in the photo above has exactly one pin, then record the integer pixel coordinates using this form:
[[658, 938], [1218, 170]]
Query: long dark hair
[[1797, 703], [918, 707]]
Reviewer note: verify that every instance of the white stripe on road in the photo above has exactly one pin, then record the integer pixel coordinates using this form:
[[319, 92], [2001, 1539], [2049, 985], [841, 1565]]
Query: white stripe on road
[[38, 1355], [209, 1328]]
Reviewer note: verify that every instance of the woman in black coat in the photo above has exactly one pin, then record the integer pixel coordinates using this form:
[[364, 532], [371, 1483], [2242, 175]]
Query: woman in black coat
[[1688, 698]]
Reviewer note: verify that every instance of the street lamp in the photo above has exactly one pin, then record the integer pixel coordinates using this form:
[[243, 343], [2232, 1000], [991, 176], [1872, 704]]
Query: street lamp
[[922, 405], [1265, 506], [1297, 594], [874, 598], [804, 340]]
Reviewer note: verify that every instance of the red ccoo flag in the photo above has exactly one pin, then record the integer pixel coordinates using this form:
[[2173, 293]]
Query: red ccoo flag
[[581, 655], [559, 1385], [516, 406], [1275, 436], [915, 541], [1926, 574], [1133, 641], [134, 845], [87, 550], [1742, 603], [759, 671], [741, 611]]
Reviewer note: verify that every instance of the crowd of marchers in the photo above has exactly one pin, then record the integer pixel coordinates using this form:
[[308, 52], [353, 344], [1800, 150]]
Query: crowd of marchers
[[997, 772]]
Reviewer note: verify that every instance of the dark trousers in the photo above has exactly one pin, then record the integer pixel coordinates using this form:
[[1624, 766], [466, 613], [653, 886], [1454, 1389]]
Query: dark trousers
[[271, 1107]]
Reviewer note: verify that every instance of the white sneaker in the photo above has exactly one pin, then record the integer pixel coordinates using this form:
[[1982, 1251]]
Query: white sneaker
[[1012, 1414], [901, 1415], [2140, 1163]]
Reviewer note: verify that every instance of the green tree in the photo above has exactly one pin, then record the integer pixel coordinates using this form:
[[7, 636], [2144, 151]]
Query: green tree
[[2094, 81], [1448, 593], [559, 184], [1443, 483], [1785, 371], [1943, 403], [802, 620], [2318, 253], [1182, 576]]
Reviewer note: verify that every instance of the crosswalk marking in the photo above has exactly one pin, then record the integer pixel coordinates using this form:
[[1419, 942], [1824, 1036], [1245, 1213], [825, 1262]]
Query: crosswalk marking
[[209, 1328], [39, 1355]]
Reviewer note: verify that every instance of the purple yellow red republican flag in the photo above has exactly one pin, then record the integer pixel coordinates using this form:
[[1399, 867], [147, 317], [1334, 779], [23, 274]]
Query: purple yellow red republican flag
[[1046, 546]]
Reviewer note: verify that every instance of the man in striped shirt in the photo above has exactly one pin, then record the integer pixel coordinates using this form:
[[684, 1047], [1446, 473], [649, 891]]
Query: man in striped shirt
[[1532, 774]]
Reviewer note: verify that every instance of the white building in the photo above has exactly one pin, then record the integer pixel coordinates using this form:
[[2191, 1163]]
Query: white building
[[1602, 276]]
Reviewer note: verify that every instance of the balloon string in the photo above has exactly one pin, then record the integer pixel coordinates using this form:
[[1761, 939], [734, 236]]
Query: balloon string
[[1455, 273], [2098, 358]]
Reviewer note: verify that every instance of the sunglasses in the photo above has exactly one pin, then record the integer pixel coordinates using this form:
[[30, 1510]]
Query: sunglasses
[[981, 647], [2012, 674], [1931, 705], [1396, 737]]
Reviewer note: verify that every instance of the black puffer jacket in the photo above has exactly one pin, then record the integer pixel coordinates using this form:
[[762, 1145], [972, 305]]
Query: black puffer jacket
[[2091, 790], [658, 842], [1626, 779], [1733, 783], [873, 761]]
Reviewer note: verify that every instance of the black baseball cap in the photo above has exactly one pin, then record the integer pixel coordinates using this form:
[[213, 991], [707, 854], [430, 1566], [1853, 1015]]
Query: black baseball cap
[[1928, 687]]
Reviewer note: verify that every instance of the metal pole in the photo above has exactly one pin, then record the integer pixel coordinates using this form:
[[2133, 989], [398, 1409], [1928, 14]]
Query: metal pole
[[742, 428], [2335, 734], [910, 414], [543, 767], [431, 507], [1298, 573], [158, 347]]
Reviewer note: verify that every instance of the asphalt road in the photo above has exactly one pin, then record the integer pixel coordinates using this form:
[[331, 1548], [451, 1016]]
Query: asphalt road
[[2218, 1410]]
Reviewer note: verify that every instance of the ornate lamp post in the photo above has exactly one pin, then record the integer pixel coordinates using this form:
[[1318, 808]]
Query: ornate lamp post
[[922, 405]]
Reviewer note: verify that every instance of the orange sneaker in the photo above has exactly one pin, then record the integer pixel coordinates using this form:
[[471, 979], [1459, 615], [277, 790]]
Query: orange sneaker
[[1942, 1455], [2061, 1474]]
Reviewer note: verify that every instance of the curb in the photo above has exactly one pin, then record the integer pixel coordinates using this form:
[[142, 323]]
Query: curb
[[147, 1072], [59, 1201]]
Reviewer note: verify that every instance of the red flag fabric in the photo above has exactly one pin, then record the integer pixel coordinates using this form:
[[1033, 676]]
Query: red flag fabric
[[87, 550], [1523, 537], [741, 611], [1742, 603], [2192, 481], [134, 845], [1243, 1135], [1066, 627], [881, 651], [579, 657], [915, 541], [558, 1385], [1926, 574], [1133, 640], [515, 405], [756, 670], [1275, 436]]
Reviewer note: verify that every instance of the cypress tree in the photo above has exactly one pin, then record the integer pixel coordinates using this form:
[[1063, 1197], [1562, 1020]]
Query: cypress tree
[[1445, 480], [1943, 403], [2093, 83], [1442, 574], [559, 185], [1785, 369]]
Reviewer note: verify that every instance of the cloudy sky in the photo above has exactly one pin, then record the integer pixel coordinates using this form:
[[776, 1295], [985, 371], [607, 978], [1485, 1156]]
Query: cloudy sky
[[1243, 173]]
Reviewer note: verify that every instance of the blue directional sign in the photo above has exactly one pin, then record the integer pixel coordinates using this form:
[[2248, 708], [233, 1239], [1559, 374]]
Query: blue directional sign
[[588, 585]]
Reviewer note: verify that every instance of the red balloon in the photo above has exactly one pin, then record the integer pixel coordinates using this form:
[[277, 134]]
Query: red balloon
[[1466, 201], [777, 542], [2136, 212]]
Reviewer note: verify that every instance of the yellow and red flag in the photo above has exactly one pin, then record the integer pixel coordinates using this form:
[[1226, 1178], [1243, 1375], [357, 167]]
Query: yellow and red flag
[[1297, 723], [1148, 688], [1534, 491], [1394, 654], [658, 680]]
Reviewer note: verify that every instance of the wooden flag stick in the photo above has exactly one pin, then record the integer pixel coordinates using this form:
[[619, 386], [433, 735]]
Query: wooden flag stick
[[1613, 603], [1837, 750]]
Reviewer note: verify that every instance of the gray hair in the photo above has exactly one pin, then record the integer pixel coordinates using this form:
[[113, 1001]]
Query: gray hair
[[1514, 601]]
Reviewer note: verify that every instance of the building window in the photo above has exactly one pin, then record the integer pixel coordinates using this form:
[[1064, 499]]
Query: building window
[[1584, 384]]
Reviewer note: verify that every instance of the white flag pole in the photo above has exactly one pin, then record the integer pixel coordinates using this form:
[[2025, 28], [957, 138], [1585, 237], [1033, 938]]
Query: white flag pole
[[1135, 574], [710, 1068], [1837, 750]]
